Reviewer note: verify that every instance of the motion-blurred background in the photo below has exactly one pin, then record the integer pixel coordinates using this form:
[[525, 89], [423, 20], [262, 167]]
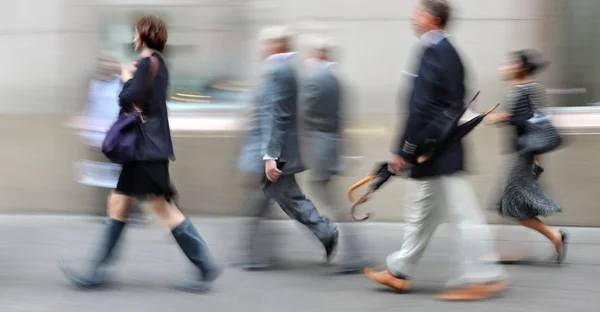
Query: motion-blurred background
[[50, 51]]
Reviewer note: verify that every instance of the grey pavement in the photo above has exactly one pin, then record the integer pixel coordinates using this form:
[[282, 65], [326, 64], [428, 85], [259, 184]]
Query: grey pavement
[[150, 262]]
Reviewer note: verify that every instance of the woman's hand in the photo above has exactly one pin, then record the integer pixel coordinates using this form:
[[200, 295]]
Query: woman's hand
[[127, 71], [496, 118]]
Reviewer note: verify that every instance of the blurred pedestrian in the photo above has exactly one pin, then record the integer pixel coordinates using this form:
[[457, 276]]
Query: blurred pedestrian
[[323, 120], [101, 110], [145, 91], [522, 198], [103, 96], [437, 192], [273, 136]]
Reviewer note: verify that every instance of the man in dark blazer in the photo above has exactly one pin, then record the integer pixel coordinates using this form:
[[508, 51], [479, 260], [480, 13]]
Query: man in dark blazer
[[323, 120], [437, 192], [273, 135]]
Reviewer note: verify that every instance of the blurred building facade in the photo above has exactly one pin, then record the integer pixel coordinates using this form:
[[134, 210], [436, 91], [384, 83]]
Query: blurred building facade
[[51, 46]]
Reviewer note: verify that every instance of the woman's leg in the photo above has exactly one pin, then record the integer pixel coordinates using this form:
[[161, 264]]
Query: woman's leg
[[117, 211], [167, 212], [190, 243], [118, 206], [555, 236]]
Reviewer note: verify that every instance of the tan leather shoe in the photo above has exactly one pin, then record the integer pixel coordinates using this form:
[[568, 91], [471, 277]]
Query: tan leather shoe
[[474, 292], [386, 278]]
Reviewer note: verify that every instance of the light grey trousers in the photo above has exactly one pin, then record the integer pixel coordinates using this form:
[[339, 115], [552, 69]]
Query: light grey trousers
[[446, 199]]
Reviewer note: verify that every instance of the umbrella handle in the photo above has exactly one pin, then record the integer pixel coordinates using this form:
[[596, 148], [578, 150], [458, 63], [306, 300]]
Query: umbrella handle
[[358, 184], [360, 200], [491, 109], [474, 98]]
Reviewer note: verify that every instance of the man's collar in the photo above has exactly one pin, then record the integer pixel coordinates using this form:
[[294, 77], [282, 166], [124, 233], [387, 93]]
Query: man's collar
[[433, 37], [318, 63], [279, 56]]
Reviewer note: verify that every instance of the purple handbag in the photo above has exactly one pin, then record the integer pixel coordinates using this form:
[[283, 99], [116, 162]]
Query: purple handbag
[[120, 143]]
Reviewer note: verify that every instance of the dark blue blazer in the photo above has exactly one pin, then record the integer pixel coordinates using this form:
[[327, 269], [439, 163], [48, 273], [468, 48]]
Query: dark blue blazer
[[438, 88]]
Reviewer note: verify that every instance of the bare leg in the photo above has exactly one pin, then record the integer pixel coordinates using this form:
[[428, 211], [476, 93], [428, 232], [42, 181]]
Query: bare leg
[[118, 206], [552, 234], [168, 213]]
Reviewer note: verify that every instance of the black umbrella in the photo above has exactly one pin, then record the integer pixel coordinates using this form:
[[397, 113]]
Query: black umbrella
[[451, 135], [456, 133]]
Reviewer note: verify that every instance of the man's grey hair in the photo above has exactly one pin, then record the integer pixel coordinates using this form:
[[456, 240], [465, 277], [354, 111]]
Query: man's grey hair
[[442, 9], [324, 44]]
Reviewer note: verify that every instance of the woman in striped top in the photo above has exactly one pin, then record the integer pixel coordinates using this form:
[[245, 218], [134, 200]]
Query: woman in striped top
[[522, 199]]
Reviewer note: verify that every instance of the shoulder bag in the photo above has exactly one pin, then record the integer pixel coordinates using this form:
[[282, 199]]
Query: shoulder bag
[[120, 142], [540, 135]]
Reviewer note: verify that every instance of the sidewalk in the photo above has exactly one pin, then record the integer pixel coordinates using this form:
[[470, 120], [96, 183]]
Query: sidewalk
[[150, 262]]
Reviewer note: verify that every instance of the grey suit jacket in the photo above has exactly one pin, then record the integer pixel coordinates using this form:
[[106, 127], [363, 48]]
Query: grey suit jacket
[[273, 129], [321, 106]]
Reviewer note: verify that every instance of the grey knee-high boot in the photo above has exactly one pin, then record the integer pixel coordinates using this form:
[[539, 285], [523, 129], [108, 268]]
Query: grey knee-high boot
[[197, 251], [96, 275]]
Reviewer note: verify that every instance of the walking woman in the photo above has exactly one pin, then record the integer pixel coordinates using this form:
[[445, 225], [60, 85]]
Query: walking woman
[[145, 89], [522, 199]]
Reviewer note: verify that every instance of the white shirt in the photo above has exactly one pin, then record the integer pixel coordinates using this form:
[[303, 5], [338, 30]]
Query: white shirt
[[279, 57], [433, 37], [318, 63]]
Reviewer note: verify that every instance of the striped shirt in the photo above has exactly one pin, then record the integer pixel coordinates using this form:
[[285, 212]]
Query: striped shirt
[[522, 109]]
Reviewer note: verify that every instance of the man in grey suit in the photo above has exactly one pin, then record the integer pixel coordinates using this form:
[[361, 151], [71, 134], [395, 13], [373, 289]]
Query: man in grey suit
[[323, 120], [272, 136]]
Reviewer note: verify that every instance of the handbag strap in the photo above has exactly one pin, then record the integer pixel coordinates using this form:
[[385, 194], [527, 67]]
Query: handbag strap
[[153, 69]]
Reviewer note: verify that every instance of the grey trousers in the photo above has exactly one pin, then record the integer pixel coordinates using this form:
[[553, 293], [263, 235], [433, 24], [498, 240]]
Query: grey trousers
[[288, 195], [446, 199]]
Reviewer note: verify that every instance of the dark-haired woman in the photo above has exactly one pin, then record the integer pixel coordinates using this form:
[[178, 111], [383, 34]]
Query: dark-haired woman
[[145, 85], [522, 199]]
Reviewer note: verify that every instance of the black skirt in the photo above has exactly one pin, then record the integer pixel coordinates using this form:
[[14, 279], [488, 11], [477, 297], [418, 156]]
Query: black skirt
[[146, 178]]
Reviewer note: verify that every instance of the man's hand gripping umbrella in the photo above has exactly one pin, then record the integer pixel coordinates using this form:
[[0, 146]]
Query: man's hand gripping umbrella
[[380, 175]]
